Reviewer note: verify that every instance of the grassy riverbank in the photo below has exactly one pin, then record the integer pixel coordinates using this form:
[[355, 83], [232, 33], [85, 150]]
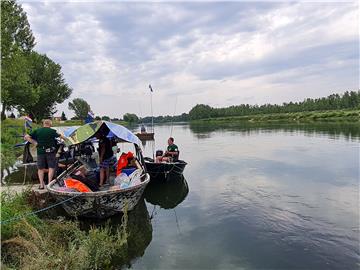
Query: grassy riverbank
[[80, 123], [12, 131], [314, 116], [44, 243]]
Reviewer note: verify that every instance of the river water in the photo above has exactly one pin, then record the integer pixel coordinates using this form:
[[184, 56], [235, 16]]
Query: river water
[[254, 197], [260, 197]]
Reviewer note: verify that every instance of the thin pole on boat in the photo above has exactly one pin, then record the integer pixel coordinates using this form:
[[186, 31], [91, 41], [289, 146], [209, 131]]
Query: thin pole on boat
[[152, 115], [172, 120], [152, 120]]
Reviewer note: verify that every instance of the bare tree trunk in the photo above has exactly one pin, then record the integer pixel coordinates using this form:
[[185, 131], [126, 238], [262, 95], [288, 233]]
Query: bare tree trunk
[[3, 115]]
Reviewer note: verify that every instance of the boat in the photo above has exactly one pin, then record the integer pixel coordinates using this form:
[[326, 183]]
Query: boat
[[108, 201], [145, 136], [164, 170], [167, 195]]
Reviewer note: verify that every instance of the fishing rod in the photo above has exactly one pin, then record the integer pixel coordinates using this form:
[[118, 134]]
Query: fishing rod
[[172, 120]]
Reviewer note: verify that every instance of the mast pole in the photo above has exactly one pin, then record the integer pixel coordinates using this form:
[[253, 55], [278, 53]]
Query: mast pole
[[152, 115]]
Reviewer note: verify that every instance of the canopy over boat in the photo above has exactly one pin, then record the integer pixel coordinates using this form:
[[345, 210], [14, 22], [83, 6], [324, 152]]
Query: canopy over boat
[[87, 131]]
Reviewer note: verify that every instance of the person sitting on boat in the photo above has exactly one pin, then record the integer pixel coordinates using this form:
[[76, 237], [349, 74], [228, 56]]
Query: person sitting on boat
[[45, 140], [106, 157], [143, 129], [171, 153]]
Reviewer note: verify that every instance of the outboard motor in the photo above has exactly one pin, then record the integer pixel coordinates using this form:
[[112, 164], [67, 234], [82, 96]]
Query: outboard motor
[[159, 153], [27, 157]]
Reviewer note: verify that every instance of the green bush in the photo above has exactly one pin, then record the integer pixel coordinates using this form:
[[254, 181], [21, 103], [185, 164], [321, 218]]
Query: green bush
[[33, 243]]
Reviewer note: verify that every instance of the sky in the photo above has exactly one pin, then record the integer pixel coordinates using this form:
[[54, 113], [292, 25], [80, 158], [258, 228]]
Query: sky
[[215, 53]]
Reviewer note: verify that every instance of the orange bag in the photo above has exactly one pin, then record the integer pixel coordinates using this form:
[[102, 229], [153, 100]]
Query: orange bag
[[123, 162], [76, 184]]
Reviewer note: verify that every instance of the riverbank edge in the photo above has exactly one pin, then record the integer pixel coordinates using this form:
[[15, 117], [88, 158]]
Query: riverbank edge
[[49, 241], [352, 116]]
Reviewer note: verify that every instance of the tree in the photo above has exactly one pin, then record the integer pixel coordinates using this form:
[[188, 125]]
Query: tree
[[17, 41], [200, 111], [105, 118], [47, 88], [97, 118], [131, 118], [63, 116], [80, 108]]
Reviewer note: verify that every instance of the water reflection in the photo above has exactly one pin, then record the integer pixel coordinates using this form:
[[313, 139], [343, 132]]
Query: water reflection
[[349, 131], [167, 194], [139, 230]]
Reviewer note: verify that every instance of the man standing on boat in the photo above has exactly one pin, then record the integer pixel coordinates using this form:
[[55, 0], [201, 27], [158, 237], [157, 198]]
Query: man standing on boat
[[45, 140], [171, 154]]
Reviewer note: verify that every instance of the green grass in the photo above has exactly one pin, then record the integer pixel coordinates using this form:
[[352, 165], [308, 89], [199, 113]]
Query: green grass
[[80, 123], [12, 131], [35, 243], [68, 123], [337, 115]]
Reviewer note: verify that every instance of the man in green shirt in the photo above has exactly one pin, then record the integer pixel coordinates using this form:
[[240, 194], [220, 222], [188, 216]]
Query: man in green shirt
[[171, 154], [44, 139]]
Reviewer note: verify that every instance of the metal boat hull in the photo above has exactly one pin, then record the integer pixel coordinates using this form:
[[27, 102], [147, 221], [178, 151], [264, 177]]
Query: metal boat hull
[[101, 204], [163, 171]]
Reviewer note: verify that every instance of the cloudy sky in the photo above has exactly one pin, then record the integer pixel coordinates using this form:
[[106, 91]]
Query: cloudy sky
[[217, 53]]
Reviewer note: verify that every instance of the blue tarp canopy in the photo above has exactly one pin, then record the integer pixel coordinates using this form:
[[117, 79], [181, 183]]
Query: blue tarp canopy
[[87, 131]]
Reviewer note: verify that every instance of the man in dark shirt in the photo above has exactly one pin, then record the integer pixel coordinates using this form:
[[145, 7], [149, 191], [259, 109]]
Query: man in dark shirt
[[172, 152], [106, 157], [44, 139]]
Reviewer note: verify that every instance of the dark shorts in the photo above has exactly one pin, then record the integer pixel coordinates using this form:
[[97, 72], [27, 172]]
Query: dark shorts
[[47, 160], [107, 163]]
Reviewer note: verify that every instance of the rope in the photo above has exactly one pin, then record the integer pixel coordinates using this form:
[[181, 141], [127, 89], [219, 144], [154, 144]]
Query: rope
[[37, 211]]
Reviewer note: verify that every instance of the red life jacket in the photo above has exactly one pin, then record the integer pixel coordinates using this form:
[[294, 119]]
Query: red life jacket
[[76, 184], [123, 161]]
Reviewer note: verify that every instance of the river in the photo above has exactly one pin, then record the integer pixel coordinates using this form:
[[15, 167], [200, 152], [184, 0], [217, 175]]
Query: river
[[256, 197]]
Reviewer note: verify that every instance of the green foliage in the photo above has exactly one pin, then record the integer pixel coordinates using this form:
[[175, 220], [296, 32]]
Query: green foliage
[[12, 131], [349, 100], [31, 82], [16, 42], [164, 119], [68, 123], [33, 243], [131, 118], [14, 205], [105, 118], [97, 118], [48, 84], [80, 108], [15, 29], [333, 115], [63, 116]]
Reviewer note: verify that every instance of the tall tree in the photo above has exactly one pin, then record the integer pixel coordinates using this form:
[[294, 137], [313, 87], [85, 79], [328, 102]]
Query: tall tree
[[17, 41], [80, 108], [131, 118], [47, 87], [63, 117]]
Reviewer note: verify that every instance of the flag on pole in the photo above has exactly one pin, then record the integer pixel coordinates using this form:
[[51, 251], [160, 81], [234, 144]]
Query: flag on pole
[[28, 122], [90, 117], [150, 88]]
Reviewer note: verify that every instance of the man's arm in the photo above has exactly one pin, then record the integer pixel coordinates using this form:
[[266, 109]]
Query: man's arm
[[28, 138], [62, 136], [175, 153]]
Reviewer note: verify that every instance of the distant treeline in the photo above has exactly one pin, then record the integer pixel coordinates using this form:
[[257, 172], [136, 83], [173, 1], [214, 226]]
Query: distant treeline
[[347, 100]]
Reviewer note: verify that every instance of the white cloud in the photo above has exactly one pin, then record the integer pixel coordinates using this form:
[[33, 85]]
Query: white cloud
[[215, 53]]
